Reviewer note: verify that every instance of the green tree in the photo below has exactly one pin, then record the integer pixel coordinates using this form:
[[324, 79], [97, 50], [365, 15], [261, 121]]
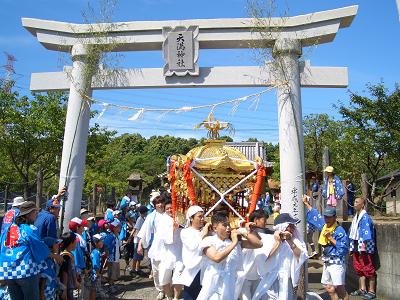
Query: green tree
[[319, 131], [252, 140], [110, 158], [226, 138], [31, 132], [117, 157], [373, 124], [272, 151]]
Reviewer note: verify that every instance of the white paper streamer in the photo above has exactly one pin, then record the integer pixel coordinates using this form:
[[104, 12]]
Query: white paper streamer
[[162, 115], [254, 103], [106, 106], [164, 111], [185, 109], [235, 107], [137, 116]]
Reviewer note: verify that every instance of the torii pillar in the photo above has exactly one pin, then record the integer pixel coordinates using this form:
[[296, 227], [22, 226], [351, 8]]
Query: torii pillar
[[75, 136], [291, 143]]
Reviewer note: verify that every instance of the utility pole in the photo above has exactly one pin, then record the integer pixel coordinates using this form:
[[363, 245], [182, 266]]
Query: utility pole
[[94, 196], [39, 188], [364, 188], [5, 198], [113, 194], [325, 163], [344, 202]]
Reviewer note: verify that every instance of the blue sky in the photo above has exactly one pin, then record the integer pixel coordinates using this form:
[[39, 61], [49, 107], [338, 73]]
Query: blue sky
[[370, 48]]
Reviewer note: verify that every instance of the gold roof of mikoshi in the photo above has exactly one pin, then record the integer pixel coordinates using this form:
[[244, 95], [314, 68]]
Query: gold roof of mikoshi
[[214, 155]]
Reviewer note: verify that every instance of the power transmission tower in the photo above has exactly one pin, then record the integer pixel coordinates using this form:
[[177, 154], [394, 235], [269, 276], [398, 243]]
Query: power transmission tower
[[10, 72]]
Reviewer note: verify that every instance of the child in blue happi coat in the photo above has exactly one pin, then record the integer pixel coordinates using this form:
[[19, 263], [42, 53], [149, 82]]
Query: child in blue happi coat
[[120, 217], [113, 244], [77, 226], [49, 283], [67, 273], [95, 273]]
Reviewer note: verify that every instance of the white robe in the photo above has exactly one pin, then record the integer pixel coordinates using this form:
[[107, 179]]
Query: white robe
[[219, 279], [250, 270], [149, 229], [192, 256], [280, 273], [170, 246]]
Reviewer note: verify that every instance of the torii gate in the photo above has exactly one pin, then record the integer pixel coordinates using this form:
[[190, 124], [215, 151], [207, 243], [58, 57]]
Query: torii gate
[[286, 37]]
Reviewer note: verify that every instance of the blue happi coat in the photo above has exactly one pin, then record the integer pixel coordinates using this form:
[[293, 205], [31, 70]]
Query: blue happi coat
[[124, 202], [123, 232], [50, 274], [95, 257], [9, 218], [79, 256], [132, 214], [108, 215], [23, 254], [366, 234], [110, 242], [339, 190], [4, 294], [332, 254]]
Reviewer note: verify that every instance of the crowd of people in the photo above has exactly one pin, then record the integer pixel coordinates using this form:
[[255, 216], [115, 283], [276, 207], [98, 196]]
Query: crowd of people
[[197, 260]]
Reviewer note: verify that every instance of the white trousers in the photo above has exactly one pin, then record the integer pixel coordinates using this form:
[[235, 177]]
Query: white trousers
[[155, 270], [249, 288]]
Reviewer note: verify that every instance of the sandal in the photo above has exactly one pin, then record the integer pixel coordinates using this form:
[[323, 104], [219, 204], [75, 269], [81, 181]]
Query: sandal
[[358, 292], [369, 296]]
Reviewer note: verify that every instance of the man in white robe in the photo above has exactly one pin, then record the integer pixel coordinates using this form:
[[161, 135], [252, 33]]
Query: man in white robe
[[170, 266], [147, 239], [280, 273], [248, 279], [192, 257], [223, 258]]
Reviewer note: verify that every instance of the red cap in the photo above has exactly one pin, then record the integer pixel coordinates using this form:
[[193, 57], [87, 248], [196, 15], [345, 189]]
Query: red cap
[[84, 223], [73, 226]]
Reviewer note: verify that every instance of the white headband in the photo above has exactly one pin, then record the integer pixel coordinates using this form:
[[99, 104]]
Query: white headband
[[192, 211]]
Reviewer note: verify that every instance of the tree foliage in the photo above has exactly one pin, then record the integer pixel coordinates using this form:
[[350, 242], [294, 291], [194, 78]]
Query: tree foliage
[[117, 158], [366, 140], [31, 132], [375, 127], [319, 131]]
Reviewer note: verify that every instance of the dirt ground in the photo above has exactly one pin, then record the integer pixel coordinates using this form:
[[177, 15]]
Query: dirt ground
[[143, 288]]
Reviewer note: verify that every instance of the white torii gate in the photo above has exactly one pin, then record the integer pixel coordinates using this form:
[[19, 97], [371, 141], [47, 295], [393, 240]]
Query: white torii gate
[[286, 37]]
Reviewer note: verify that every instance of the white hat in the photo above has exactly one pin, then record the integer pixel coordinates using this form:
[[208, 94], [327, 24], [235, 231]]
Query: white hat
[[154, 195], [116, 212], [91, 218], [97, 237], [192, 211], [83, 210], [132, 203], [18, 201], [76, 220]]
